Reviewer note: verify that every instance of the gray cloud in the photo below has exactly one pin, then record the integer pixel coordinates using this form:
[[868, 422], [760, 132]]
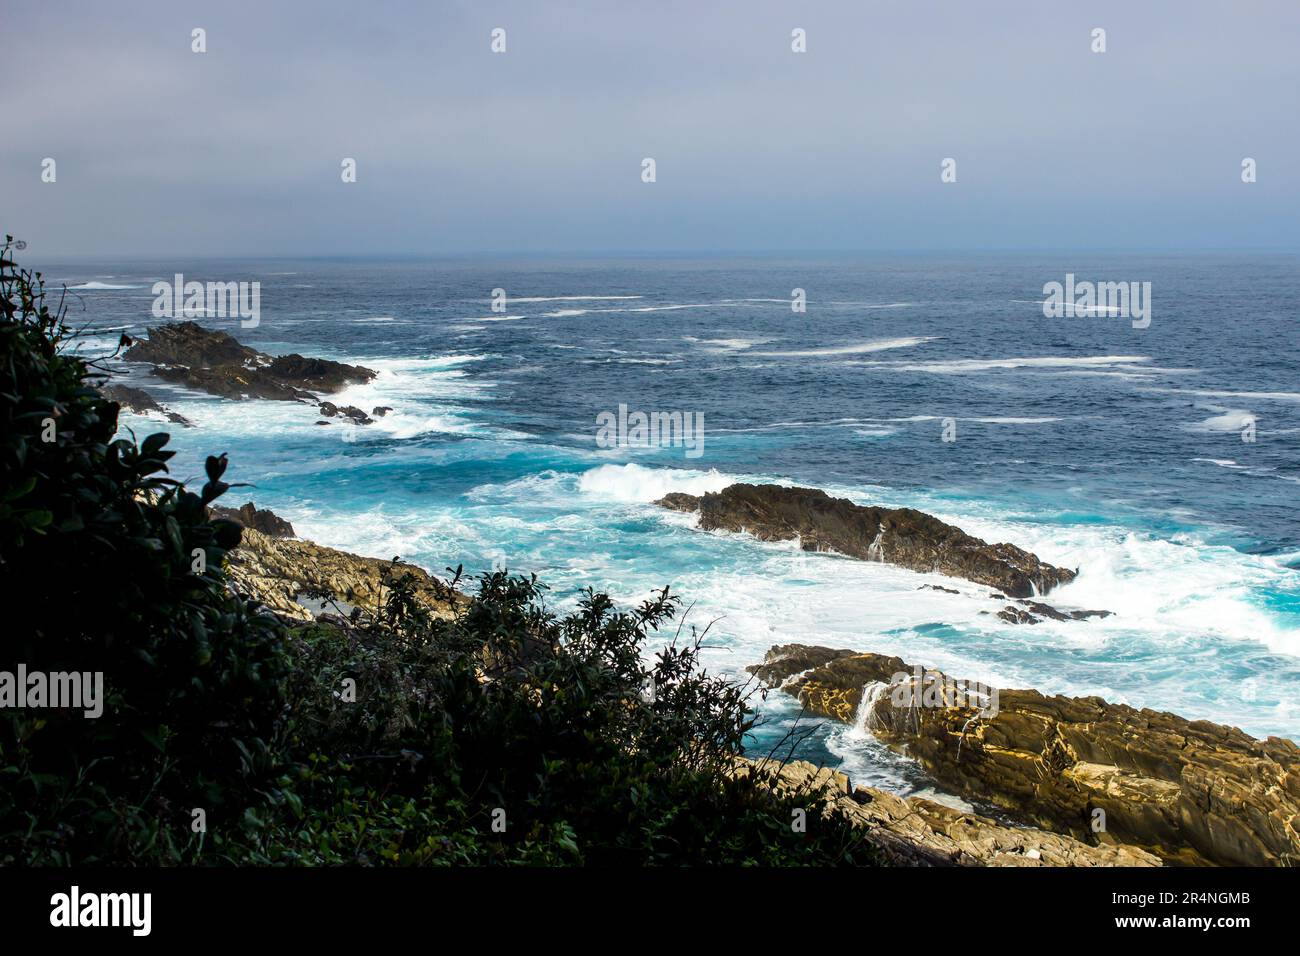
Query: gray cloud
[[237, 151]]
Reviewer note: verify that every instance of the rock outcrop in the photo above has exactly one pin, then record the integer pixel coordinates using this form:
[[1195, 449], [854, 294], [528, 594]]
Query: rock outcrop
[[901, 536], [913, 831], [140, 402], [214, 362], [330, 410], [1191, 792], [248, 515], [277, 571], [1033, 612]]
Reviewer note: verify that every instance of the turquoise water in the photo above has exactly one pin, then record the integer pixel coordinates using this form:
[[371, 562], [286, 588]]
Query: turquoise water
[[1097, 445]]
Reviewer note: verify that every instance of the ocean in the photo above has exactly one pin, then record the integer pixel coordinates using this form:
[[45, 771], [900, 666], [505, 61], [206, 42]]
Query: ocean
[[1159, 461]]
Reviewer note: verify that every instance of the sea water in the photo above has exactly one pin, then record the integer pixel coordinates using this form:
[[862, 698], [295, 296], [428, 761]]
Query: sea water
[[1124, 452]]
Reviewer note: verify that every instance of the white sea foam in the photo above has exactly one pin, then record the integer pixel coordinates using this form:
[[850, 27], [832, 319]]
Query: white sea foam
[[879, 345], [635, 483], [1211, 393], [964, 366], [570, 298], [102, 286], [1227, 420], [736, 344]]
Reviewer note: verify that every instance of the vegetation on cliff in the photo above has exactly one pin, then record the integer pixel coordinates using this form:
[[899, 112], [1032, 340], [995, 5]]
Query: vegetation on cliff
[[501, 733]]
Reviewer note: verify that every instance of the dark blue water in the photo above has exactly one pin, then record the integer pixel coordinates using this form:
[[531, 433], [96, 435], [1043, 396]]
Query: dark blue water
[[1160, 461]]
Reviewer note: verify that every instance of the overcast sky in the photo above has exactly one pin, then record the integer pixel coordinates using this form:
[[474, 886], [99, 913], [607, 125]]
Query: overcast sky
[[237, 151]]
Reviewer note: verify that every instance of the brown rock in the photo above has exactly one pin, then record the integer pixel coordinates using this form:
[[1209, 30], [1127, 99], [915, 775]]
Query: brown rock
[[913, 831], [275, 571], [902, 536], [249, 515], [1188, 791]]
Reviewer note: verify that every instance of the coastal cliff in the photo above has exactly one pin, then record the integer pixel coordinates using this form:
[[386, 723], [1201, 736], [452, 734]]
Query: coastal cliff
[[1191, 792]]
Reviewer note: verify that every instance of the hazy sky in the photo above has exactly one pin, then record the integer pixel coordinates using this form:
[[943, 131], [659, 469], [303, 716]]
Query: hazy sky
[[237, 151]]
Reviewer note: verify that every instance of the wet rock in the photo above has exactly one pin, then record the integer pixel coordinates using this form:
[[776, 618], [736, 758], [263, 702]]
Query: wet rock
[[1188, 791], [356, 415], [140, 402], [1034, 611], [936, 587], [379, 411], [214, 362], [901, 536], [1015, 615]]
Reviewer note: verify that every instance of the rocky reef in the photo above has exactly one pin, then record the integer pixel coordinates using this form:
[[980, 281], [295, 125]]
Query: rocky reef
[[1190, 792], [902, 536], [913, 831], [214, 362], [140, 402]]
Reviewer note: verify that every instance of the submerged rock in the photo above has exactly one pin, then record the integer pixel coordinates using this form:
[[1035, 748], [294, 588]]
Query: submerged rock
[[140, 402], [330, 410], [214, 362], [1189, 791], [902, 536], [1037, 610]]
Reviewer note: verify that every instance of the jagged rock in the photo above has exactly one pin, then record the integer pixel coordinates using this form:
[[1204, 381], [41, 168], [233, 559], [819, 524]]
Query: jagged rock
[[902, 536], [1189, 791], [1015, 615], [379, 411], [330, 410], [275, 571], [214, 362], [936, 587], [249, 515], [140, 402], [1037, 610], [913, 831]]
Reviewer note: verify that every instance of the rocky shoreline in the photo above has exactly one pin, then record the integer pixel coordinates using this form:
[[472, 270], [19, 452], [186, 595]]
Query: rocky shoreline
[[286, 574], [913, 831], [1189, 792]]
